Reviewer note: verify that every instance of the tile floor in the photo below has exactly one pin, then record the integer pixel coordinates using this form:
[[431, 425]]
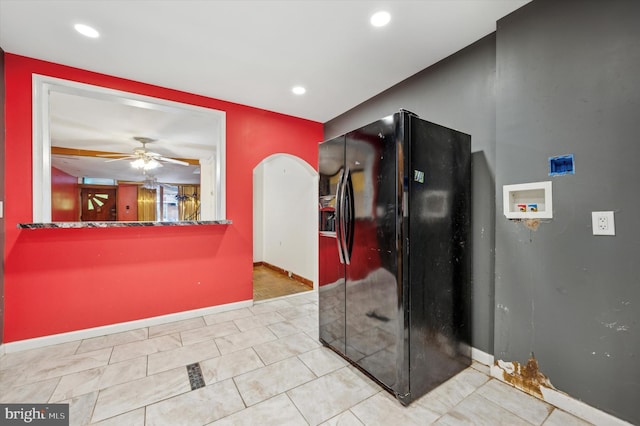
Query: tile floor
[[261, 365], [268, 284]]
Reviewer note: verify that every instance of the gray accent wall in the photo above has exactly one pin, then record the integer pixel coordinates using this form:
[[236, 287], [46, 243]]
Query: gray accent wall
[[569, 83], [458, 92], [558, 77]]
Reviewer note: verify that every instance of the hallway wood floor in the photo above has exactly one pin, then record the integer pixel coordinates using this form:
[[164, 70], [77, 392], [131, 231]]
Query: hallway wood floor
[[268, 284]]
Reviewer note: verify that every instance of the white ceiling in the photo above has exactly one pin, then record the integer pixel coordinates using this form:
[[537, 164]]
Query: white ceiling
[[250, 52], [253, 52]]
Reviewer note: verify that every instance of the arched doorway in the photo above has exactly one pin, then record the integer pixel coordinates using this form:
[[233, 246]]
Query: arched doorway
[[285, 228]]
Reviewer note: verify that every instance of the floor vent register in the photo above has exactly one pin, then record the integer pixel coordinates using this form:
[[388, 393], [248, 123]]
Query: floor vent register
[[195, 376]]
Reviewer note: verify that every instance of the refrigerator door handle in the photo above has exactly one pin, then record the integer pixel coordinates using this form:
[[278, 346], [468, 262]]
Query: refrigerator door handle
[[347, 219], [351, 218], [339, 227]]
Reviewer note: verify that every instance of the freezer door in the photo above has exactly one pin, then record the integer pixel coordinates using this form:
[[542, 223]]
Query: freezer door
[[439, 221], [331, 269], [374, 317]]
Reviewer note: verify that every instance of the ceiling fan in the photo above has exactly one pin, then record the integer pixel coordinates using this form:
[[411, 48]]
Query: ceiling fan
[[143, 159]]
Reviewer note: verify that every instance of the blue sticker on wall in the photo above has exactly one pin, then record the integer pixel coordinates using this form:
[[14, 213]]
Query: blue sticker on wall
[[561, 165]]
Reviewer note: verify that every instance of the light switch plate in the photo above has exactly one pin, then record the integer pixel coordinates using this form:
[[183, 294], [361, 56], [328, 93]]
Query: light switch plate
[[603, 223]]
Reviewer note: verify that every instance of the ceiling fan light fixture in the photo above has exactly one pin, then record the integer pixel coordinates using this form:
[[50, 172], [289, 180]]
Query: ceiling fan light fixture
[[138, 164], [145, 163], [151, 164], [150, 183]]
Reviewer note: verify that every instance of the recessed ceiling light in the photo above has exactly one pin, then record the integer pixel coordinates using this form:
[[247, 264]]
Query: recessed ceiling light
[[299, 90], [380, 19], [86, 30]]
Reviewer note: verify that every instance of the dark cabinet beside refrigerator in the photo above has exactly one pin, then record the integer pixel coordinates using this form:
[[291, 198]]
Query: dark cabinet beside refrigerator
[[394, 268]]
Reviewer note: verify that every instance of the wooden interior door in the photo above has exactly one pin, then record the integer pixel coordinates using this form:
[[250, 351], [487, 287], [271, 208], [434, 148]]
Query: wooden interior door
[[98, 204]]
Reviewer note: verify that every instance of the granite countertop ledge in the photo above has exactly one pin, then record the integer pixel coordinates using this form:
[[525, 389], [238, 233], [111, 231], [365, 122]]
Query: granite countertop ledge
[[71, 225]]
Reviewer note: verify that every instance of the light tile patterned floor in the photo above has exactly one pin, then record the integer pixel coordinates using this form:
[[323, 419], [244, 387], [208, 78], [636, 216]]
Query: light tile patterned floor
[[261, 365]]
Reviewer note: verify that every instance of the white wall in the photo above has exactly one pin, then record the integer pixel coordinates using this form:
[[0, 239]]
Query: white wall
[[258, 217], [285, 215]]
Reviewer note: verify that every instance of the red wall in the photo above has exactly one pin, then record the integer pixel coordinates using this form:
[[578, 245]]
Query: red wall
[[59, 280], [64, 197]]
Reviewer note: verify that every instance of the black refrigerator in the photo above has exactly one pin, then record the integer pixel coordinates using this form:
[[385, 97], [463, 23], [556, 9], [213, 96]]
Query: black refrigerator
[[394, 268]]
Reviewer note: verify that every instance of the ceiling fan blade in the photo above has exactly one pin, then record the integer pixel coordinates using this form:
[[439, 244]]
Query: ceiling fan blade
[[66, 157], [172, 160], [113, 155], [121, 158]]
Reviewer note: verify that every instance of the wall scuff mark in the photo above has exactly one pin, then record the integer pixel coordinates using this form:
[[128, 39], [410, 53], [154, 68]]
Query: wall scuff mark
[[531, 224], [615, 326], [527, 378]]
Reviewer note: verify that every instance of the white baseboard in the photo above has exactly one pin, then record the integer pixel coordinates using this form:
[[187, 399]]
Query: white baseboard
[[569, 404], [286, 296], [555, 397], [88, 333], [580, 409], [481, 357]]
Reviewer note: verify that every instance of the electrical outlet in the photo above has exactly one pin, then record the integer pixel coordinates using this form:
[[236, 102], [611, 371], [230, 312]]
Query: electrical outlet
[[603, 223]]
